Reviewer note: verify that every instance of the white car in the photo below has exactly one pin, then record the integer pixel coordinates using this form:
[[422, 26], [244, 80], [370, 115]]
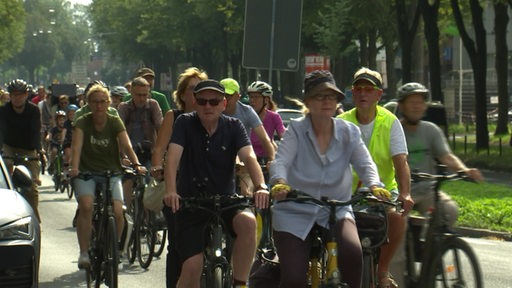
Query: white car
[[20, 234], [289, 114]]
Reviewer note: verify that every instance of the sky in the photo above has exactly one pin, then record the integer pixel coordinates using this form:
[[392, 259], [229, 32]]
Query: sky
[[83, 2]]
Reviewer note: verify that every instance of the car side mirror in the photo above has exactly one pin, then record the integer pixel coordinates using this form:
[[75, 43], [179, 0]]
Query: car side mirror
[[21, 177]]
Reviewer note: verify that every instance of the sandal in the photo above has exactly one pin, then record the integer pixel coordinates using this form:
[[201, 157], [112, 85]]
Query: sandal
[[386, 280]]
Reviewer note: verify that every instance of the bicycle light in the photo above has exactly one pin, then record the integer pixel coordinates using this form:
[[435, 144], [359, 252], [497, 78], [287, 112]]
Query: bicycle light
[[366, 242], [218, 252]]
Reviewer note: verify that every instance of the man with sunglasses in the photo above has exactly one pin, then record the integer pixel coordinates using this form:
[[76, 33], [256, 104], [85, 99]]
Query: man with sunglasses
[[203, 147], [382, 133]]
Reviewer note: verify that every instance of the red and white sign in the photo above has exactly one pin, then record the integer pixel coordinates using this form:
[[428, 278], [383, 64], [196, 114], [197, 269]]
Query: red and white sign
[[316, 62]]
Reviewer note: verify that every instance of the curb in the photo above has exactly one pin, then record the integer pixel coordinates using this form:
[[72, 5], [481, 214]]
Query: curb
[[483, 233]]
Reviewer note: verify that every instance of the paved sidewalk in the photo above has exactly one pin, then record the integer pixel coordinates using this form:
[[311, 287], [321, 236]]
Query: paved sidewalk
[[497, 177]]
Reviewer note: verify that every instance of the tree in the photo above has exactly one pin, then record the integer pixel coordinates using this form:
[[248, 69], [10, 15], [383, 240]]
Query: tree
[[430, 12], [500, 33], [477, 51], [406, 34], [12, 28]]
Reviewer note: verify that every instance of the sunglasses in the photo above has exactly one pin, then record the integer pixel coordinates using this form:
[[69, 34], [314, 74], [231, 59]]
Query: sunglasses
[[322, 97], [212, 102], [366, 89]]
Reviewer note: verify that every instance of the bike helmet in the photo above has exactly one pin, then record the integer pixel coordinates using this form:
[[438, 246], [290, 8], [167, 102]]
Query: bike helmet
[[59, 113], [17, 85], [72, 107], [119, 91], [260, 87], [412, 88]]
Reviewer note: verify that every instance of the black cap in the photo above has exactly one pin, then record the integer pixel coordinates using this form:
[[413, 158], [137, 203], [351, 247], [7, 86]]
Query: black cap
[[209, 84]]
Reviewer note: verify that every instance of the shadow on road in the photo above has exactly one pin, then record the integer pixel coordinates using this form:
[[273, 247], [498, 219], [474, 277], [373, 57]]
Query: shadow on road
[[72, 280]]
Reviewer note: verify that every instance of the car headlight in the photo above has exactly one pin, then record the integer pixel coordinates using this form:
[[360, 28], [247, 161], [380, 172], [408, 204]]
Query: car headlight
[[21, 229]]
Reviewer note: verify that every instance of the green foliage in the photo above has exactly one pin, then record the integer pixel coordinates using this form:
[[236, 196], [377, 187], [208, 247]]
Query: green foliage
[[487, 206], [12, 28]]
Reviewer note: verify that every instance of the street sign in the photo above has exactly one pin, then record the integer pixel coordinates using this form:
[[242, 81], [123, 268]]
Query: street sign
[[272, 34]]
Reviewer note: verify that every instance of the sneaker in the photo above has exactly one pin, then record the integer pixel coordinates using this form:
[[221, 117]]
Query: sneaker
[[83, 261]]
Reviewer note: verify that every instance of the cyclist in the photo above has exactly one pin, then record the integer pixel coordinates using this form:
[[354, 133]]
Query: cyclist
[[98, 138], [184, 97], [149, 75], [142, 117], [204, 145], [20, 125], [383, 135], [315, 156], [251, 121], [72, 108], [260, 99], [56, 136], [427, 146], [117, 95]]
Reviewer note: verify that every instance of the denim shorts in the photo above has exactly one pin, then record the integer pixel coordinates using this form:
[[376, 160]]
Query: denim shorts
[[88, 187]]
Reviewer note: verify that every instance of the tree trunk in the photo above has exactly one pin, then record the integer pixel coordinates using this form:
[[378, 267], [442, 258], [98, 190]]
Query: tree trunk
[[500, 28], [372, 49], [430, 15], [407, 34], [478, 57], [363, 56]]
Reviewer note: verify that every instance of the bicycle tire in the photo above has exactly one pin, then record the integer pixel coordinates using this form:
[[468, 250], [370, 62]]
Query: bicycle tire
[[131, 250], [70, 190], [455, 265], [218, 277], [369, 271], [111, 254], [145, 239], [161, 237]]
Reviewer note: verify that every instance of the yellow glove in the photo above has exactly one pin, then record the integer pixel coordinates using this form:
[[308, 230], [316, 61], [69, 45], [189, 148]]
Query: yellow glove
[[381, 193], [280, 187]]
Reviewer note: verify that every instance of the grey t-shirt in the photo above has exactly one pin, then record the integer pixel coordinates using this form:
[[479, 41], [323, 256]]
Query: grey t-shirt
[[425, 145], [248, 116]]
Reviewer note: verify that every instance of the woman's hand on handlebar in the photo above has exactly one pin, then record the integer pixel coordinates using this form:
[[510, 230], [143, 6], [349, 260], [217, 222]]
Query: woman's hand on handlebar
[[280, 190], [407, 203], [261, 199], [157, 172]]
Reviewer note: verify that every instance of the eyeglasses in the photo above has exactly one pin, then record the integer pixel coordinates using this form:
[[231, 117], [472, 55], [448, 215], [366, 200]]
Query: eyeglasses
[[212, 102], [365, 88], [322, 97], [64, 103], [102, 101], [257, 96]]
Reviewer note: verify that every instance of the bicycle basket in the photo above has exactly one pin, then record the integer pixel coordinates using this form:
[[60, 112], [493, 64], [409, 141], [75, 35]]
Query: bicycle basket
[[371, 224]]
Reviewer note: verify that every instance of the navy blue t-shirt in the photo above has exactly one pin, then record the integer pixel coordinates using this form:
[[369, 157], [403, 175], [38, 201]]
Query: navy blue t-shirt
[[207, 164]]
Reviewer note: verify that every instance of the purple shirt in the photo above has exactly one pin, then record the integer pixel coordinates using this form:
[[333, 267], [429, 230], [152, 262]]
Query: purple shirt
[[272, 123]]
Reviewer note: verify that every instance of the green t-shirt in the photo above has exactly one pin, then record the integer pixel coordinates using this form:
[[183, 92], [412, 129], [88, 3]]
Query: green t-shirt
[[100, 149], [159, 97]]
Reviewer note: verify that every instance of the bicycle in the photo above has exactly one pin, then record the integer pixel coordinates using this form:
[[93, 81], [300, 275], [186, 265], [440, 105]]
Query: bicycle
[[103, 249], [217, 271], [60, 177], [141, 244], [323, 267], [446, 259]]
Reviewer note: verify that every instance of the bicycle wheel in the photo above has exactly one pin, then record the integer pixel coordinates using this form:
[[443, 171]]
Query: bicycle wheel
[[454, 265], [111, 254], [217, 277], [145, 237], [70, 190], [160, 238]]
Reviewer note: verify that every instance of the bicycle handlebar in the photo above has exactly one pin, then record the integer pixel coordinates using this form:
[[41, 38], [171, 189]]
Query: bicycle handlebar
[[18, 159], [439, 178], [362, 194]]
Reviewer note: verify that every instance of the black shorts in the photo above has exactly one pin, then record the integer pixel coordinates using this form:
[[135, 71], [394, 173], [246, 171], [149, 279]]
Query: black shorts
[[191, 230]]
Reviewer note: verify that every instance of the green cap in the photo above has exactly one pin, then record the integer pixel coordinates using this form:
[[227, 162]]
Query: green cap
[[230, 85]]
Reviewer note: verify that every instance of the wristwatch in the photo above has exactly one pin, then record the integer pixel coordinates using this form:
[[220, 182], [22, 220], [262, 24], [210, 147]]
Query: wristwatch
[[262, 186]]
